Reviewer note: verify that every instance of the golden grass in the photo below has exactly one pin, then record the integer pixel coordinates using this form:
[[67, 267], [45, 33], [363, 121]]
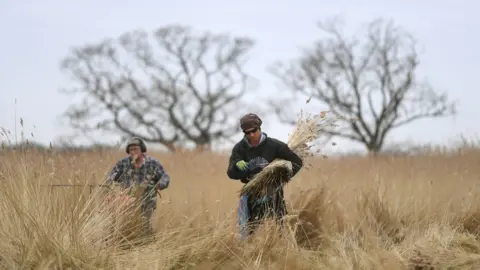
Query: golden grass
[[346, 213]]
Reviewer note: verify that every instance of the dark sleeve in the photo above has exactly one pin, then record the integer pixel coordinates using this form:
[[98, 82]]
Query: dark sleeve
[[115, 173], [162, 179], [232, 171], [284, 152]]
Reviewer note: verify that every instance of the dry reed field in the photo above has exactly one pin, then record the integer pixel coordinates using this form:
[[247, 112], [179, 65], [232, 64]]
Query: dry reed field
[[344, 213]]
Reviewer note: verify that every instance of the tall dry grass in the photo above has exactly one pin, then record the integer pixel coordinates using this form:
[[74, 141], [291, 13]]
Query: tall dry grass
[[346, 213]]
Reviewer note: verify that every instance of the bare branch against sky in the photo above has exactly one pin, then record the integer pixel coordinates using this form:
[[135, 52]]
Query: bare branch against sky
[[172, 87], [370, 78]]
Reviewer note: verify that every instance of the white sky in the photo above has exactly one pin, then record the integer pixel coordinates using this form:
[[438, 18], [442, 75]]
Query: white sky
[[37, 34]]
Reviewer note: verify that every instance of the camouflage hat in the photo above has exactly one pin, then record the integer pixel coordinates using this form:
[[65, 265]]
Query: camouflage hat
[[249, 121]]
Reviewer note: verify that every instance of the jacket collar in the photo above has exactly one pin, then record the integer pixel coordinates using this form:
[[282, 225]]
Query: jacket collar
[[263, 138]]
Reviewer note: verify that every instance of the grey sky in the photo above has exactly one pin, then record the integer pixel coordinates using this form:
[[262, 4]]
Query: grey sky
[[37, 34]]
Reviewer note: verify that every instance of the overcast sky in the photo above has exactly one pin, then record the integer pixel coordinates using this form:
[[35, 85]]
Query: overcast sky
[[37, 34]]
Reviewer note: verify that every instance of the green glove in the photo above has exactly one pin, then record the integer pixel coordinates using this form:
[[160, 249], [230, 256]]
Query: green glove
[[242, 165]]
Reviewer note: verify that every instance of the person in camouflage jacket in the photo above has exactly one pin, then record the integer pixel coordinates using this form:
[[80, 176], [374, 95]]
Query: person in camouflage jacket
[[138, 169]]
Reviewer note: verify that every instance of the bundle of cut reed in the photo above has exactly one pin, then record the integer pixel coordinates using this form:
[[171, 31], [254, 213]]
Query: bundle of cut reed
[[277, 173], [127, 223]]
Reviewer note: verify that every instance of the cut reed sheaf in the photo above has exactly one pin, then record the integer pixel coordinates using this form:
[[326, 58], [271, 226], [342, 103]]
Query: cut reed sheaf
[[277, 173], [126, 221]]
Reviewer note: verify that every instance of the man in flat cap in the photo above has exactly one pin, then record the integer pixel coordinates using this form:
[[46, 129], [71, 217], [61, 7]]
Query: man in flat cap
[[248, 157]]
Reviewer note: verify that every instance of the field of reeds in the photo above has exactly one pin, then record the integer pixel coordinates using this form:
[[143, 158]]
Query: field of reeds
[[344, 213], [384, 212]]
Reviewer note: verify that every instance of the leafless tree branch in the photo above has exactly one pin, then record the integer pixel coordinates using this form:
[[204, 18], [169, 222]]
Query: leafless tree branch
[[370, 78], [170, 87]]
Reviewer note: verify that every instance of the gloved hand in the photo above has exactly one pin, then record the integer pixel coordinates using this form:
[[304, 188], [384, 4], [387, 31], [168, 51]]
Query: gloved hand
[[241, 165]]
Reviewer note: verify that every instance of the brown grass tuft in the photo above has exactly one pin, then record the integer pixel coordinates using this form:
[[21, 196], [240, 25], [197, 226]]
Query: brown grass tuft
[[346, 213]]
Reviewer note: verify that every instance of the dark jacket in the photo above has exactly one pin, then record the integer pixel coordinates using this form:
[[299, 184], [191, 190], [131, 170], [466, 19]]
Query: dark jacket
[[259, 156]]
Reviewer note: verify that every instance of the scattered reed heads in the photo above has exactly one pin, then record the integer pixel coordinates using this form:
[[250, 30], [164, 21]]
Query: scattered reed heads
[[277, 173]]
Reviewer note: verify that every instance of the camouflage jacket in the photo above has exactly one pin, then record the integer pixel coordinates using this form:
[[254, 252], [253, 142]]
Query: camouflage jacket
[[151, 174]]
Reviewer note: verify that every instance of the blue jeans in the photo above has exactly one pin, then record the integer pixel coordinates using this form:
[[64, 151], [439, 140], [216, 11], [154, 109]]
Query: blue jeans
[[252, 212]]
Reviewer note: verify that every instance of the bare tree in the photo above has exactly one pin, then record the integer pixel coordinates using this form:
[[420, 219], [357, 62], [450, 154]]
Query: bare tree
[[370, 78], [172, 87]]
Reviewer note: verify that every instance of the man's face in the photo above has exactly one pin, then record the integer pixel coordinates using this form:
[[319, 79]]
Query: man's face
[[253, 134], [134, 151]]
